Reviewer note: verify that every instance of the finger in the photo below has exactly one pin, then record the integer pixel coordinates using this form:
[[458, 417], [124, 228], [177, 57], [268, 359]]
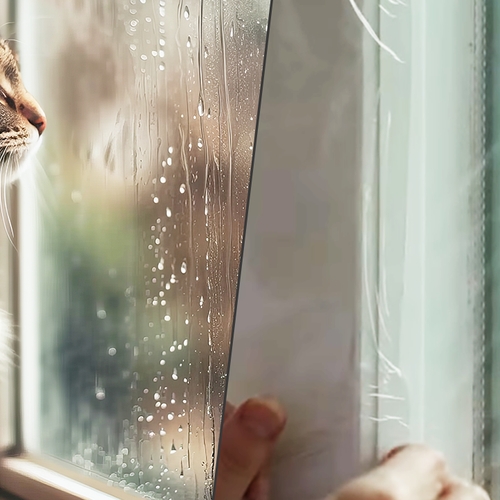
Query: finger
[[414, 473], [259, 487], [392, 453], [247, 439], [463, 490]]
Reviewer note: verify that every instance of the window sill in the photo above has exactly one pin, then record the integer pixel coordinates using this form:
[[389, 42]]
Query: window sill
[[31, 478]]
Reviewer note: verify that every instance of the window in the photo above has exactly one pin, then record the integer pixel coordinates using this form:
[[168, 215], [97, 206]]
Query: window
[[129, 234], [368, 292], [376, 273]]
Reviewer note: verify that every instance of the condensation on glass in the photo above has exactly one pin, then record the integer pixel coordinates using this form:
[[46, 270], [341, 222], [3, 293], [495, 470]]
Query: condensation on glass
[[141, 196]]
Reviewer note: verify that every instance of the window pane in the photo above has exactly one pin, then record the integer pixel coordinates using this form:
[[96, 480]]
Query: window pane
[[131, 261], [423, 216]]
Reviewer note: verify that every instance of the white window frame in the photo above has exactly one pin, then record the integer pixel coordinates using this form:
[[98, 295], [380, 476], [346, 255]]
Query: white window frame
[[430, 215]]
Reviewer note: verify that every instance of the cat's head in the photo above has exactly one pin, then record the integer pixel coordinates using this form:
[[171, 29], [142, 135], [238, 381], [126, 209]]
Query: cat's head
[[22, 120]]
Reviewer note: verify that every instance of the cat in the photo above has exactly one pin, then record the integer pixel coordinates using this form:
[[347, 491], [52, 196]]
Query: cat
[[22, 122]]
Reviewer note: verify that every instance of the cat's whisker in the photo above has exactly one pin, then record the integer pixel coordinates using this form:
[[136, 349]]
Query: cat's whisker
[[13, 40], [9, 23], [4, 205]]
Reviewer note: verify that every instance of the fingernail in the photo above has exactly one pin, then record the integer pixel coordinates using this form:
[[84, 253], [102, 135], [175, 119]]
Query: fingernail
[[416, 462], [264, 418], [392, 453]]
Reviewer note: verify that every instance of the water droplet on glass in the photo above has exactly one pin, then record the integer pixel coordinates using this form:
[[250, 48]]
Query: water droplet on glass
[[186, 13], [182, 188], [184, 268], [101, 314], [111, 351], [188, 43], [201, 107], [200, 143], [100, 394], [174, 374]]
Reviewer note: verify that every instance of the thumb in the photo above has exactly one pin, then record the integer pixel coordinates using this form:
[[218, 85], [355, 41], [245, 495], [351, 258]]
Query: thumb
[[247, 439], [412, 472]]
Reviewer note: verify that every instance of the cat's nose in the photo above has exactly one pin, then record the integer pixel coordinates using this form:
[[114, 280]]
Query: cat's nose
[[30, 109]]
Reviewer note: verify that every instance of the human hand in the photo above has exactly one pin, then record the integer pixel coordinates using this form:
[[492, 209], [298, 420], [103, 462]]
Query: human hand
[[412, 472], [249, 434]]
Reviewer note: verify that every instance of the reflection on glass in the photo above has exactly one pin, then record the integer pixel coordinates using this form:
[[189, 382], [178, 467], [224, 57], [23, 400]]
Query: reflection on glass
[[152, 108]]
